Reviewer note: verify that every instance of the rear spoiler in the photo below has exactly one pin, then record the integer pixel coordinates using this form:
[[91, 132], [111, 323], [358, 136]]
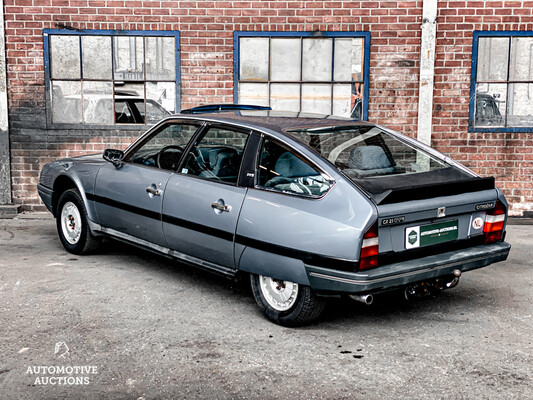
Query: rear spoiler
[[427, 191]]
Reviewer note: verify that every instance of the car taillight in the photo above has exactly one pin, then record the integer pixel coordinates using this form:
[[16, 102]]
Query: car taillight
[[370, 248], [494, 221]]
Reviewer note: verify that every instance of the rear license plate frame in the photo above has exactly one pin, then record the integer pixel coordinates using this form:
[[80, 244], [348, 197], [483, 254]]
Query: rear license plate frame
[[430, 234]]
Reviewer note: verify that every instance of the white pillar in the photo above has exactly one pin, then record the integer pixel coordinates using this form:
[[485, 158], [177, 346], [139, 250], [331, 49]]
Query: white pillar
[[5, 164], [427, 71]]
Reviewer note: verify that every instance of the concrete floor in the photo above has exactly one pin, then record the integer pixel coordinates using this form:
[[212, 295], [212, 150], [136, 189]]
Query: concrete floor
[[155, 329]]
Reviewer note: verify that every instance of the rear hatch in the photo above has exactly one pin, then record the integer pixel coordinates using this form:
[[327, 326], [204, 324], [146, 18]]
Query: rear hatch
[[426, 203], [417, 228]]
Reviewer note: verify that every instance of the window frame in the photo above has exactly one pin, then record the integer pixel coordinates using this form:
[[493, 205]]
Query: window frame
[[322, 35], [473, 81], [96, 32]]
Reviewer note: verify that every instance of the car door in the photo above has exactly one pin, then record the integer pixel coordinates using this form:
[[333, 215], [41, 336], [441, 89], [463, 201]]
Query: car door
[[129, 197], [202, 202]]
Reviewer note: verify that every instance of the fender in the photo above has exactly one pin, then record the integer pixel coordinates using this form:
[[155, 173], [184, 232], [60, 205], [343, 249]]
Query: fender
[[276, 266], [83, 179]]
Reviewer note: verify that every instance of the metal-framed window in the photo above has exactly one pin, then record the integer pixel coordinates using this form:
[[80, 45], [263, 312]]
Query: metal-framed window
[[102, 78], [321, 72], [501, 89]]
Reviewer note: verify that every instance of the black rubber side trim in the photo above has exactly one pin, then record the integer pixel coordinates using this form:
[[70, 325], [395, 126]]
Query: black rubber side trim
[[165, 218], [124, 206], [219, 233], [308, 258]]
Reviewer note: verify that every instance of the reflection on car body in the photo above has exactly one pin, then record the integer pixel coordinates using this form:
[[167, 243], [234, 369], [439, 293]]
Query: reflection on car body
[[308, 206]]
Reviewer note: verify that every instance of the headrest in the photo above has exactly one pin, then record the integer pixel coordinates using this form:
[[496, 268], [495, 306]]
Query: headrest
[[368, 157]]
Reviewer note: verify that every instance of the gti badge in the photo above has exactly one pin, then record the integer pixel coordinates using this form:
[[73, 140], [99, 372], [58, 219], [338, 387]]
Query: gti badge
[[441, 212]]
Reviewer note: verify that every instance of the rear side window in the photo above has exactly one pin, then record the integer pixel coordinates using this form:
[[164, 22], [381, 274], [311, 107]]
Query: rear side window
[[282, 169]]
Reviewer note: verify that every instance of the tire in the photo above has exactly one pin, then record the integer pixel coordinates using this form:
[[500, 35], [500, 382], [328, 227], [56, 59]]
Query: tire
[[72, 224], [286, 303]]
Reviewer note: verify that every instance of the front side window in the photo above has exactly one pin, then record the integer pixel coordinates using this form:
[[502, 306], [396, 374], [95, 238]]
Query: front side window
[[217, 155], [502, 81], [284, 170], [110, 77], [164, 149], [296, 71]]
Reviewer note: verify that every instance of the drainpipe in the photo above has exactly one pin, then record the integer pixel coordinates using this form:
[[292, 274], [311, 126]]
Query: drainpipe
[[427, 71], [5, 164]]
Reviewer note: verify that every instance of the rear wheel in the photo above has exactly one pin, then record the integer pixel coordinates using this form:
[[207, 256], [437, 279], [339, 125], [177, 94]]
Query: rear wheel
[[285, 303], [72, 224]]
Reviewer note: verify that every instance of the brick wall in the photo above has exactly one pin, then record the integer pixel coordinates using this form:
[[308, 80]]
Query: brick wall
[[207, 70], [507, 156]]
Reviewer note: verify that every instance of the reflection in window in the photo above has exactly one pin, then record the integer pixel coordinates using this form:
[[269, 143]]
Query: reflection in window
[[111, 79], [503, 81], [296, 72]]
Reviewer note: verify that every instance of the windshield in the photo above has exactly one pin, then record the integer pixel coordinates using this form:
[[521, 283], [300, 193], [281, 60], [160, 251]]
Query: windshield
[[367, 151]]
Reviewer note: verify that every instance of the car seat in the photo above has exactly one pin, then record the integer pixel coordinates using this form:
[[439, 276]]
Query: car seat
[[370, 160]]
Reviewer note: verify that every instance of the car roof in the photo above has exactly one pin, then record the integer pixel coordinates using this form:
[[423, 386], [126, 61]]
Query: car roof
[[279, 121]]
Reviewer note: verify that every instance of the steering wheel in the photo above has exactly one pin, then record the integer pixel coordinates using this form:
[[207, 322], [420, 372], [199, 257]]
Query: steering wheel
[[169, 157]]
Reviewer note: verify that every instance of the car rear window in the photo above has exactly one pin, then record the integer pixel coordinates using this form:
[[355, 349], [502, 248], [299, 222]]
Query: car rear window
[[367, 151], [381, 163]]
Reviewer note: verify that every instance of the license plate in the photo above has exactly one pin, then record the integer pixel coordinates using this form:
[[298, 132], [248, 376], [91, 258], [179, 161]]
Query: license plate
[[427, 235]]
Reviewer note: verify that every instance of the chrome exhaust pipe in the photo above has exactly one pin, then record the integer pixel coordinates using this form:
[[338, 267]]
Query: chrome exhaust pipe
[[363, 298]]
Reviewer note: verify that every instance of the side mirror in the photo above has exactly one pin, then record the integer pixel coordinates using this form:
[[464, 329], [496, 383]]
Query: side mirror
[[113, 156]]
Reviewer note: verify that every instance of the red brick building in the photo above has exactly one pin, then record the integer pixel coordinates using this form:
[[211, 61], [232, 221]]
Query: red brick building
[[70, 63]]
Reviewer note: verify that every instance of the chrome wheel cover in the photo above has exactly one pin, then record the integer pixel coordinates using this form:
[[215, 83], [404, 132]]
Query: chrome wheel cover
[[280, 295], [71, 222]]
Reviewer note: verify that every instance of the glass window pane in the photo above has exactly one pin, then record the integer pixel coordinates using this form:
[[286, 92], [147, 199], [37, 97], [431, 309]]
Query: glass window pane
[[129, 103], [521, 59], [160, 100], [520, 105], [96, 55], [98, 102], [342, 100], [316, 65], [492, 59], [285, 59], [348, 59], [285, 96], [284, 170], [253, 93], [160, 58], [128, 58], [491, 102], [253, 59], [66, 102], [217, 156], [65, 57], [316, 98], [165, 148]]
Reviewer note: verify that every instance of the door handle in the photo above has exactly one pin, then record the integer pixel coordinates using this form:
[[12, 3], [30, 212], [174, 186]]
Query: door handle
[[221, 207], [153, 191]]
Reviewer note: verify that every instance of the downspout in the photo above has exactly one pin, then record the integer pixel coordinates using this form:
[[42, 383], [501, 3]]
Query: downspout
[[427, 71], [5, 164]]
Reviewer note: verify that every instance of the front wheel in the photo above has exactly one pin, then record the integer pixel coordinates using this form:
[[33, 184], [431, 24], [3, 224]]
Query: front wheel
[[285, 303], [72, 224]]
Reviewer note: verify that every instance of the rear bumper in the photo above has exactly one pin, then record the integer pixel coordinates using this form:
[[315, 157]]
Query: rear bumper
[[46, 196], [389, 277]]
